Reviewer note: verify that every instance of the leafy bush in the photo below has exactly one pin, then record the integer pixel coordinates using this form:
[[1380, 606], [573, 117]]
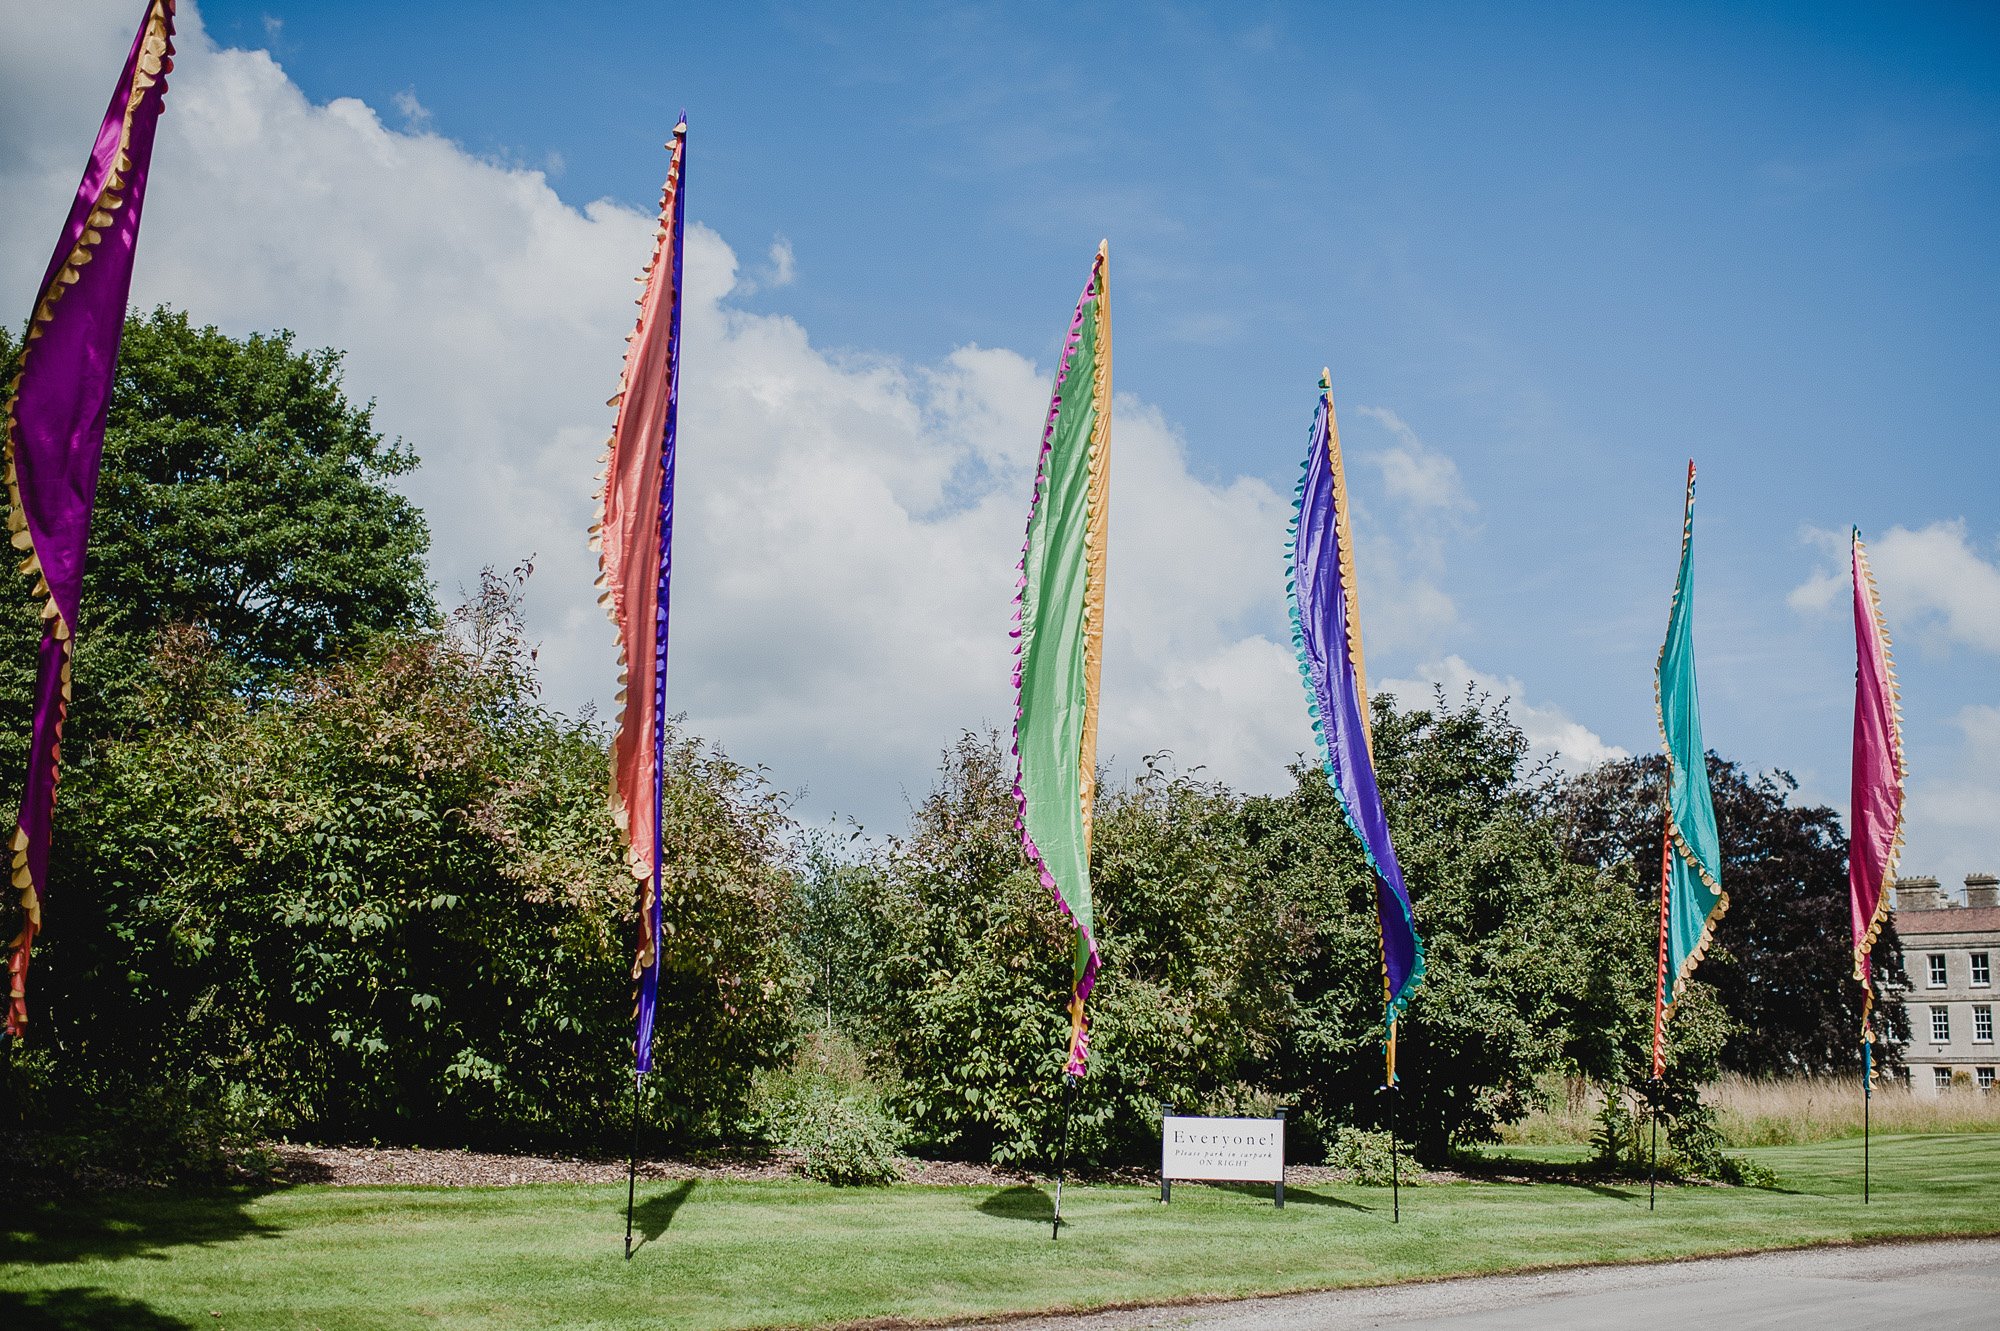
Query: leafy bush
[[826, 1107], [1525, 950], [390, 901], [1745, 1173], [1693, 1147], [846, 1144], [1618, 1143], [1363, 1155], [1696, 1141], [118, 1129]]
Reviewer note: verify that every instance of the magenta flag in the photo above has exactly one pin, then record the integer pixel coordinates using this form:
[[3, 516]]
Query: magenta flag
[[55, 432], [1875, 820]]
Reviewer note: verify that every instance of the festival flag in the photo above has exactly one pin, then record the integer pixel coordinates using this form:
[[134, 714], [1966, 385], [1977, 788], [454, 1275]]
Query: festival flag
[[1059, 633], [54, 427], [634, 538], [1326, 631], [1691, 895], [1875, 823]]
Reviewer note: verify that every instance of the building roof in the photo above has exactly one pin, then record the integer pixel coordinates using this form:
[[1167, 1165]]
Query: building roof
[[1914, 924]]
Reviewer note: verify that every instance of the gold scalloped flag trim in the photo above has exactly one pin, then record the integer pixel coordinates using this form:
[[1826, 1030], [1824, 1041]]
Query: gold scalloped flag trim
[[154, 62]]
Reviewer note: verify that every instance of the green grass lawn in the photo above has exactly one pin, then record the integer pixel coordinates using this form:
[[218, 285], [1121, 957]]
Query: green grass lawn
[[724, 1254]]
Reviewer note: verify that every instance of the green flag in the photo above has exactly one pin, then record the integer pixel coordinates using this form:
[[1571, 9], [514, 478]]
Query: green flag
[[1060, 635]]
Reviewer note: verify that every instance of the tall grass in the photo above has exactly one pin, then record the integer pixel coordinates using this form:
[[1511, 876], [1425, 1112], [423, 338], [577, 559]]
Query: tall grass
[[1795, 1110], [1790, 1111], [1568, 1120]]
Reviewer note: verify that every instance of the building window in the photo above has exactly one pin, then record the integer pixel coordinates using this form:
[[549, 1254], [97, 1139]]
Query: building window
[[1982, 970], [1941, 1078], [1985, 1076], [1940, 1025], [1982, 1023], [1935, 963]]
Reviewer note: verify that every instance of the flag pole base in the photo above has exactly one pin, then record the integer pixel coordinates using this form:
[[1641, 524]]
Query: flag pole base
[[1395, 1160], [1062, 1154], [1653, 1161]]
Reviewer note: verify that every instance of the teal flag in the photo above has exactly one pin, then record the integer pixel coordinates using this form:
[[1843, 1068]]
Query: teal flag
[[1693, 899]]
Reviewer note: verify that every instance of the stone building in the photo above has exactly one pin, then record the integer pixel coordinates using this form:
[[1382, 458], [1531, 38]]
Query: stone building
[[1949, 951]]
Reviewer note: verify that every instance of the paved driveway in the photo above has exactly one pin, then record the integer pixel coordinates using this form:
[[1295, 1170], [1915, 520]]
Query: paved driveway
[[1931, 1286]]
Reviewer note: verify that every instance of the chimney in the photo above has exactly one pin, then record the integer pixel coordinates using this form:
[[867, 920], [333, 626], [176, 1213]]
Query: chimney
[[1982, 889], [1918, 894]]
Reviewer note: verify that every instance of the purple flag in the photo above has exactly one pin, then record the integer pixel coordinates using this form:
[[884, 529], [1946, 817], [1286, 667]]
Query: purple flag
[[1326, 630], [54, 428]]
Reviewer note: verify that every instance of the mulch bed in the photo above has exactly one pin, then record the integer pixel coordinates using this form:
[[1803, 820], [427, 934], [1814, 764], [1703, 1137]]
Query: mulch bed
[[378, 1166], [399, 1166]]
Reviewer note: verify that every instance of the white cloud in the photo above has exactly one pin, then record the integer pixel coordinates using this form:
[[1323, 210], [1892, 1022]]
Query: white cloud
[[1934, 583], [784, 267], [1415, 473], [1403, 545], [780, 269], [416, 116], [1954, 814], [1818, 593], [1550, 731], [848, 526]]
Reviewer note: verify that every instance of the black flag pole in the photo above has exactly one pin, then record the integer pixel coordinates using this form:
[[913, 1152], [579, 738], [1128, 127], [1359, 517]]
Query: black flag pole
[[1395, 1166], [1062, 1153], [1653, 1158], [1867, 1098], [632, 1169], [1659, 1009], [1389, 1089]]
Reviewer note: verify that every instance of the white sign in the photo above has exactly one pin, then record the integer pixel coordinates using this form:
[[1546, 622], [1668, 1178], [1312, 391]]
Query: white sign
[[1246, 1150]]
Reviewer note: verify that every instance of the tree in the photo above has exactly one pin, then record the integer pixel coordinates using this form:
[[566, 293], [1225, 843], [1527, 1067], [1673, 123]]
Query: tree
[[837, 937], [976, 967], [242, 493], [1782, 962], [1533, 961], [242, 499], [320, 851]]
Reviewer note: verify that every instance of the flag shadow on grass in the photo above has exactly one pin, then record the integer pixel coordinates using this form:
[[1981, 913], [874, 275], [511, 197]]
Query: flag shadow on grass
[[652, 1216], [119, 1225], [1294, 1195], [111, 1227], [81, 1309], [1020, 1202]]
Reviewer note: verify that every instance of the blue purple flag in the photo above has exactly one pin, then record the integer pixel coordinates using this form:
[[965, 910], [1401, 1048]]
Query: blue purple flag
[[1326, 630]]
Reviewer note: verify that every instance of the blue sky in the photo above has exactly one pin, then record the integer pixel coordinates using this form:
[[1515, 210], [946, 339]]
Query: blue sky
[[1553, 252]]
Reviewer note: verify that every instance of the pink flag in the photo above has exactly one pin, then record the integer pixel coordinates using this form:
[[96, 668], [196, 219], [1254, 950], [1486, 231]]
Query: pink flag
[[1875, 825]]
